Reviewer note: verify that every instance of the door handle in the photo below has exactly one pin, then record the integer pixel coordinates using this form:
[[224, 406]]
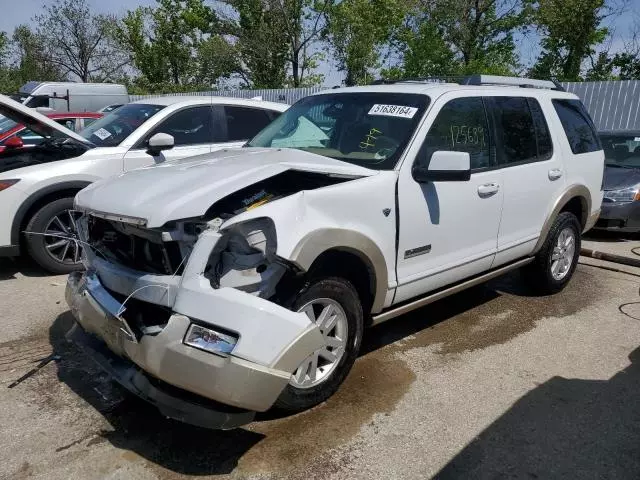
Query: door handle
[[555, 174], [488, 189]]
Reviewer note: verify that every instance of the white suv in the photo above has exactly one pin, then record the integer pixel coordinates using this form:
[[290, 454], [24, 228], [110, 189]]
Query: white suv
[[229, 283], [37, 185]]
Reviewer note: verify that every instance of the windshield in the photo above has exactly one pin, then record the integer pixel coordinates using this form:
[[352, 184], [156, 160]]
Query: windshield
[[6, 124], [111, 130], [621, 150], [367, 129]]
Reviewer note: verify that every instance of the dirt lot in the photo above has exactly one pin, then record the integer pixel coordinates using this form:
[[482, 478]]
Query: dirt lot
[[492, 383]]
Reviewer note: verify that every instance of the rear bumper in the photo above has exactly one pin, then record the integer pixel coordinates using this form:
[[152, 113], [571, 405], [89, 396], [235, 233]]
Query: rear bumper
[[230, 380], [624, 217]]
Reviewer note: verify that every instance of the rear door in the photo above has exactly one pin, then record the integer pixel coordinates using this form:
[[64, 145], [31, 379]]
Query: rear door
[[192, 129], [533, 173]]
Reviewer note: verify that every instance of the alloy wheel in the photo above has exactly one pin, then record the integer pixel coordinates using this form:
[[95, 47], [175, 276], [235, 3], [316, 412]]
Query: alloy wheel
[[563, 253], [331, 319], [61, 238]]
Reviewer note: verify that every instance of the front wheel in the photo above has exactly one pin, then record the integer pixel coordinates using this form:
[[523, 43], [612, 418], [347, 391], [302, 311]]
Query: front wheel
[[51, 237], [556, 261], [332, 304]]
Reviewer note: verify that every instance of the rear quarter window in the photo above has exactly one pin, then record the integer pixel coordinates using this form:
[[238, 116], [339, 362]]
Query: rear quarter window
[[577, 125]]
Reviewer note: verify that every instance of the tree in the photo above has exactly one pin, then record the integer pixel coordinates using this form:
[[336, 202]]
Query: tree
[[571, 29], [176, 45], [79, 43], [357, 30], [480, 33]]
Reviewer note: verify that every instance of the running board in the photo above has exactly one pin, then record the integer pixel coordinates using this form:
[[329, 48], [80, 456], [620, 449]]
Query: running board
[[459, 287]]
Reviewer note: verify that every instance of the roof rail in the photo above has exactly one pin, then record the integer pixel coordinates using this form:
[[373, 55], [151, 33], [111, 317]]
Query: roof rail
[[478, 80], [512, 82]]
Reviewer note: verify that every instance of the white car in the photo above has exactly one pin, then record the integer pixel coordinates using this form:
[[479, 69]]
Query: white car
[[37, 185], [226, 284]]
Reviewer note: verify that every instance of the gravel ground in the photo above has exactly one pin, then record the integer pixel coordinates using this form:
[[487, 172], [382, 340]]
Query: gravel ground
[[491, 383]]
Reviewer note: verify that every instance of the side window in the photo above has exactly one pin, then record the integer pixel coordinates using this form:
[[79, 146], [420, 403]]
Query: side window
[[578, 126], [244, 123], [191, 126], [38, 101], [545, 146], [461, 126], [515, 133], [29, 137]]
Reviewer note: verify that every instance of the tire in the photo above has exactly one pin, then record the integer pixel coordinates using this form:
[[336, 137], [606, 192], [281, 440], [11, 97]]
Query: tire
[[543, 274], [329, 291], [40, 246]]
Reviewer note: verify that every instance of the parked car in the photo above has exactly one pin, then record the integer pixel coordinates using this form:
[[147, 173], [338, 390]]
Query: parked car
[[71, 96], [621, 202], [18, 135], [37, 185], [225, 284]]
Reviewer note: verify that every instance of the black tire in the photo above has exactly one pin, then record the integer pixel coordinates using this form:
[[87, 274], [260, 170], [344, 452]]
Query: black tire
[[37, 243], [539, 273], [295, 399]]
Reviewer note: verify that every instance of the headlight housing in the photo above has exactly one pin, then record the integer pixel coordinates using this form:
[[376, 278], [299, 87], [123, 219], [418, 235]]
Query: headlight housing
[[210, 340], [623, 195]]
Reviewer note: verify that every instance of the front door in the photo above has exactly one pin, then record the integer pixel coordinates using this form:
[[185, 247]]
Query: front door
[[448, 230], [193, 133]]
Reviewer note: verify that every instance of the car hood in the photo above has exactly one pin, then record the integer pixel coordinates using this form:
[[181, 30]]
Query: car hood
[[187, 188], [34, 120], [616, 178]]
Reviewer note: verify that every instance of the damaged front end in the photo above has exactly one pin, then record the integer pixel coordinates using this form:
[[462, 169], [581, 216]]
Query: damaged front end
[[194, 305]]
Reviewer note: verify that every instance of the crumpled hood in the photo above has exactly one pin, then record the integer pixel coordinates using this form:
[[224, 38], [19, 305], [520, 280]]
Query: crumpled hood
[[187, 188], [616, 178]]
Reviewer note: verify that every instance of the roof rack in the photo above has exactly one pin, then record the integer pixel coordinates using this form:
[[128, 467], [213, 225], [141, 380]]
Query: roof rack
[[512, 82], [481, 80]]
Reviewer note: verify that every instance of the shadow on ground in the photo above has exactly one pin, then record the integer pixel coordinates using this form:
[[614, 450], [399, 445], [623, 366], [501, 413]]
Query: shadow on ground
[[483, 316], [564, 428], [9, 267]]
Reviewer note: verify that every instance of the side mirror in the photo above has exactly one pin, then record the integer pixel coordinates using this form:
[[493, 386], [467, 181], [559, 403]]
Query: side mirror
[[14, 142], [160, 142], [444, 166]]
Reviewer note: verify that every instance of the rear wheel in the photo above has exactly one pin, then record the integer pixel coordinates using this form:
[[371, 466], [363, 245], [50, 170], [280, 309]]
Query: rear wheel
[[51, 237], [556, 261], [333, 304]]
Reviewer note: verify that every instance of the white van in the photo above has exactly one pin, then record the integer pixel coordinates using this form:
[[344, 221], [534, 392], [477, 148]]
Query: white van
[[71, 96]]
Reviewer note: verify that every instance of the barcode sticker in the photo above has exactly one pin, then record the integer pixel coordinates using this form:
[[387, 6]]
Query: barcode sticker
[[393, 110], [102, 134]]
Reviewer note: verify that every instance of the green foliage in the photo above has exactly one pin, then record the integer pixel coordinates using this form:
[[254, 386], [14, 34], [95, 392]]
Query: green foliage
[[176, 45], [621, 66], [571, 29], [357, 31]]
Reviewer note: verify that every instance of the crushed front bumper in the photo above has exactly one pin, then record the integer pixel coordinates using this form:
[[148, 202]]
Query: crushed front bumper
[[230, 380]]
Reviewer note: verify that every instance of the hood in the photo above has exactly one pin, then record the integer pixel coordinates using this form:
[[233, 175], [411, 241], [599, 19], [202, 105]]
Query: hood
[[187, 188], [616, 178], [37, 122]]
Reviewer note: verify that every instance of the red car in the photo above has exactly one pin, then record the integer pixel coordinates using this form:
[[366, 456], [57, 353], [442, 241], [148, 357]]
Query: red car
[[15, 135]]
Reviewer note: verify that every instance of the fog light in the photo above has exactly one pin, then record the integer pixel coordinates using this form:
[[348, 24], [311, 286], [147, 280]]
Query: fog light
[[210, 340]]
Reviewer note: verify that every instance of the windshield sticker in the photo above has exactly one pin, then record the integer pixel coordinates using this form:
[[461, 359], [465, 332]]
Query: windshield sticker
[[102, 134], [393, 111]]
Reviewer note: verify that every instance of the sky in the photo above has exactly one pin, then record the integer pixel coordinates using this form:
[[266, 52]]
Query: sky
[[620, 26]]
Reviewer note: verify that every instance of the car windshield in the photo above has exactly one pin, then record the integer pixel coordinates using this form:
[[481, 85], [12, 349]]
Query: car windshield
[[621, 150], [112, 129], [367, 129], [6, 124]]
